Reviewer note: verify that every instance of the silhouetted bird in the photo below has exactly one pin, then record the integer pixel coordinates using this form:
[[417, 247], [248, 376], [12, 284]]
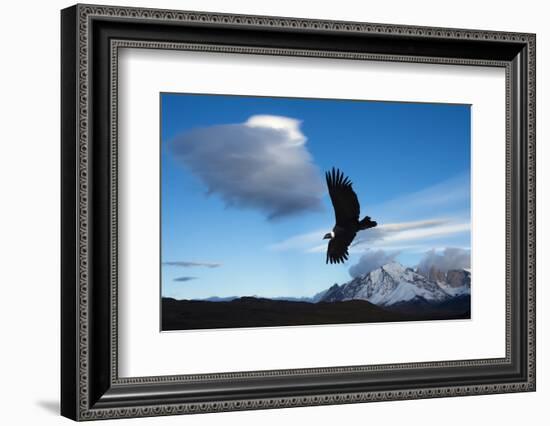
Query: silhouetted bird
[[346, 210]]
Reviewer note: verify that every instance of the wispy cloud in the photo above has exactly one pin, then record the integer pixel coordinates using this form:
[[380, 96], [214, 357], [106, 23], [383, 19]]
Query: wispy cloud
[[397, 230], [299, 242], [395, 236], [304, 241], [187, 264], [411, 231], [449, 200], [261, 164], [184, 279], [450, 195]]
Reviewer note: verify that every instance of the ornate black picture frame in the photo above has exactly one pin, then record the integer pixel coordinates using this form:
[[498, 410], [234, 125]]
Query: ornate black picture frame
[[91, 387]]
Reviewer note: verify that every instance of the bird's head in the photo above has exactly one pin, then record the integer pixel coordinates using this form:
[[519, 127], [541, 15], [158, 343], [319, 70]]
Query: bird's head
[[329, 236]]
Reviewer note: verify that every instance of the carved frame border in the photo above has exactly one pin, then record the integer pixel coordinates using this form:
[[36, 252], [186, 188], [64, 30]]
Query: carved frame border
[[85, 13]]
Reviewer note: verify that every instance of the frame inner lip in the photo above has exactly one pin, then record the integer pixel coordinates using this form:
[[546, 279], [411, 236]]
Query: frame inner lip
[[115, 45]]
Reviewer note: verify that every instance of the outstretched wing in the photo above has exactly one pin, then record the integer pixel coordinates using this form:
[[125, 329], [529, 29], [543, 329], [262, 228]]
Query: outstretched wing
[[343, 197], [337, 251]]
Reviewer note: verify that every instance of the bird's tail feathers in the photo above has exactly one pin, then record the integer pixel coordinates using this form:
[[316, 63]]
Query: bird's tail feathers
[[367, 223]]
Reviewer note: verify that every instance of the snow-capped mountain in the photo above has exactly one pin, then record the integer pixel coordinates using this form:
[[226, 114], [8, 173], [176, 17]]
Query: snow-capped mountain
[[393, 284], [456, 282]]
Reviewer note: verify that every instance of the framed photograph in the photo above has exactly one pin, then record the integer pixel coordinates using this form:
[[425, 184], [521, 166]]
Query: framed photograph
[[258, 184], [263, 212]]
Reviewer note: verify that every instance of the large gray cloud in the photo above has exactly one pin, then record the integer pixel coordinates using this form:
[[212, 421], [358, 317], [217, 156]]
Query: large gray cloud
[[371, 260], [450, 258], [260, 164]]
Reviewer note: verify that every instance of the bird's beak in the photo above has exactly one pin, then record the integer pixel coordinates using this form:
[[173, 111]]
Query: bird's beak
[[326, 237]]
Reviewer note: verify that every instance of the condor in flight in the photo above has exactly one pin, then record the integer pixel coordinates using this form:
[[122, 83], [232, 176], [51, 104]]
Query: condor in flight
[[346, 210]]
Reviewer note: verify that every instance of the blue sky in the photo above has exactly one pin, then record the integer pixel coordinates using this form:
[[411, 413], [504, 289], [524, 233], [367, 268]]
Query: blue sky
[[244, 207]]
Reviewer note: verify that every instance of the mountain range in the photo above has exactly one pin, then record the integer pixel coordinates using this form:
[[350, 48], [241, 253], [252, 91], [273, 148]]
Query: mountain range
[[389, 293], [390, 285], [394, 284]]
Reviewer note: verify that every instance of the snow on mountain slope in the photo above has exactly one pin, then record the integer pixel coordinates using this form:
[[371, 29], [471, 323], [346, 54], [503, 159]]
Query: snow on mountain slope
[[388, 285], [456, 282], [391, 284]]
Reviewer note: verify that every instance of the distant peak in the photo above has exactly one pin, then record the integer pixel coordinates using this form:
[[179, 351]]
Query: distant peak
[[394, 262], [393, 266]]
